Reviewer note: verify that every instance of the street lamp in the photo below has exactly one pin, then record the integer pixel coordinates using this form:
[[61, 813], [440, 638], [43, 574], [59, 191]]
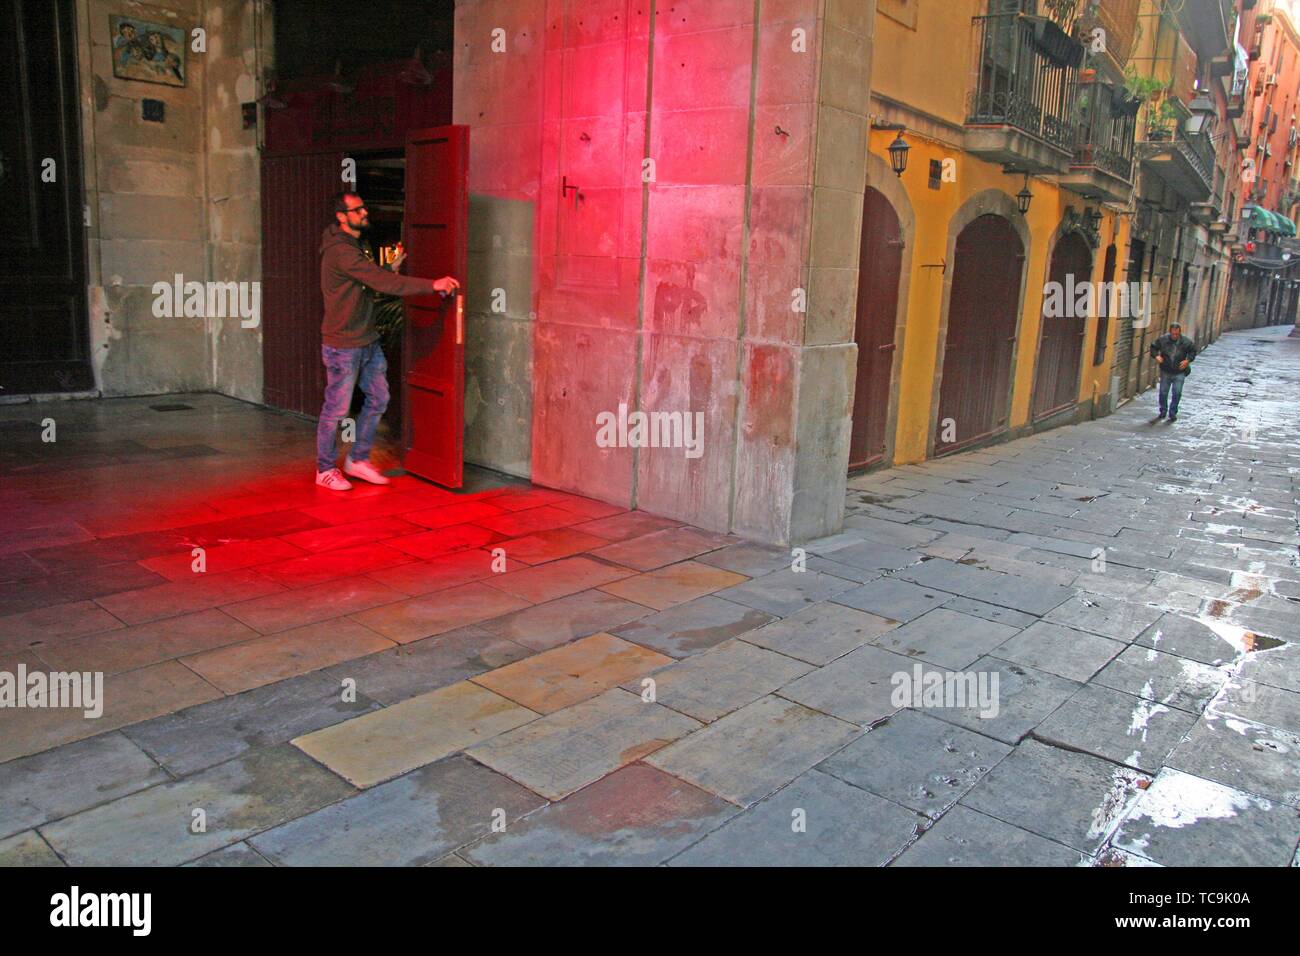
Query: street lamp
[[1024, 197], [1202, 117], [898, 150]]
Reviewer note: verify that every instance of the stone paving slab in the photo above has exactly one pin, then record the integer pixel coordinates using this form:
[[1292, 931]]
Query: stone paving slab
[[859, 687], [1122, 728], [965, 837], [1063, 651], [565, 751], [1182, 820], [661, 547], [991, 612], [546, 582], [693, 627], [1025, 697], [559, 678], [870, 555], [153, 827], [916, 761], [1242, 755], [785, 592], [747, 558], [1106, 616], [412, 669], [27, 849], [145, 644], [1181, 635], [946, 638], [237, 855], [411, 821], [1166, 678], [378, 746], [675, 584], [721, 680], [264, 660], [1259, 703], [302, 606], [820, 633], [1072, 798], [1278, 667], [752, 751], [68, 779], [548, 625], [894, 599], [841, 826], [439, 612], [991, 587], [220, 730], [636, 816], [128, 698]]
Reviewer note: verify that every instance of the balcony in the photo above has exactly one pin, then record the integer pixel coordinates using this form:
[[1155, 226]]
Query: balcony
[[1205, 23], [1025, 83], [1184, 162], [1102, 165]]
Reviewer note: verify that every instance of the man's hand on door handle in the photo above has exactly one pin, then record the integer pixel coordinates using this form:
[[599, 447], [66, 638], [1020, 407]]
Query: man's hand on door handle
[[446, 285]]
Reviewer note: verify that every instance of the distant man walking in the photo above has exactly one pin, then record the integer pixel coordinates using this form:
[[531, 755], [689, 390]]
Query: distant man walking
[[1174, 353], [350, 345]]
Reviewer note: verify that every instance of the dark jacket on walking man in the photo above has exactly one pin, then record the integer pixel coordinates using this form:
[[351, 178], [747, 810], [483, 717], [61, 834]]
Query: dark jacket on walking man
[[1174, 353], [350, 346]]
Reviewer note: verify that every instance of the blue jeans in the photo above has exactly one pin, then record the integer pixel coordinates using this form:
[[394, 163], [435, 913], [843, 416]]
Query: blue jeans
[[1167, 382], [344, 369]]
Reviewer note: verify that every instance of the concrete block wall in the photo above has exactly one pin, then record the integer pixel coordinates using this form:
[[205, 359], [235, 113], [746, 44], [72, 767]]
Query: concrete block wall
[[179, 196], [706, 260]]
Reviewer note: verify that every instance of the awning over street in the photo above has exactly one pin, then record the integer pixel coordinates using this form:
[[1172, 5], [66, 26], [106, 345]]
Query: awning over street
[[1260, 218]]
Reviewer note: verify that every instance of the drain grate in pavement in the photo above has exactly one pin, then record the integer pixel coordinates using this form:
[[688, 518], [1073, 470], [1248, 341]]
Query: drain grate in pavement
[[172, 408]]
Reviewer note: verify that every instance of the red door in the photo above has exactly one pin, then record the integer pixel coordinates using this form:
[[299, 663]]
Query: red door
[[1056, 383], [435, 233], [879, 266], [974, 392]]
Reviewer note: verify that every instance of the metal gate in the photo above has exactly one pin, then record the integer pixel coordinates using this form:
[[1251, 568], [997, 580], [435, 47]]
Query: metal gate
[[879, 269], [974, 392], [1060, 343], [295, 210]]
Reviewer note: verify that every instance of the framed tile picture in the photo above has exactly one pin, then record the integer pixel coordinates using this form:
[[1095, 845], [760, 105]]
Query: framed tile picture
[[146, 51]]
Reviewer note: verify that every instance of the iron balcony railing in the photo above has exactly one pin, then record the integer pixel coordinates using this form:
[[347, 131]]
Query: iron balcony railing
[[1026, 76], [1105, 134]]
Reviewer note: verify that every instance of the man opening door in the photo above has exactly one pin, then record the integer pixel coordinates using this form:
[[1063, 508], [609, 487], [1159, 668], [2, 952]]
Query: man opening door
[[350, 346]]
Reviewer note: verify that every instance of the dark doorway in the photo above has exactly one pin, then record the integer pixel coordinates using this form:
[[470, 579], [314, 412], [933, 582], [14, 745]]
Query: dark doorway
[[879, 268], [44, 334], [974, 393], [1060, 344], [1124, 338]]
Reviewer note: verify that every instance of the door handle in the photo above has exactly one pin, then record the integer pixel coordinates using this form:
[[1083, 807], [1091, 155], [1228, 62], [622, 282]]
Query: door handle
[[888, 348], [460, 320]]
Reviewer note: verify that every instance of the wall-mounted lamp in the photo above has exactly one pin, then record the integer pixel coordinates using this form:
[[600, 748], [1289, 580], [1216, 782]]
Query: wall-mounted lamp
[[1024, 197], [898, 149]]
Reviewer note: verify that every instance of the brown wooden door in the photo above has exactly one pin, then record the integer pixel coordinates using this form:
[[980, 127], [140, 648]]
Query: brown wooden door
[[879, 267], [436, 235], [296, 191], [44, 332], [1060, 346], [974, 392]]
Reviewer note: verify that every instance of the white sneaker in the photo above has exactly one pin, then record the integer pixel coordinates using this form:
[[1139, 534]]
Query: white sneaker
[[333, 480], [365, 471]]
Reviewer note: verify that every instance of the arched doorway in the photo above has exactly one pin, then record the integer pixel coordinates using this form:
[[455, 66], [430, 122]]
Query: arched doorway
[[879, 269], [974, 391], [1060, 343]]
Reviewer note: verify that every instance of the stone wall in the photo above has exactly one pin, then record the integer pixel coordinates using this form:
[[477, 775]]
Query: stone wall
[[179, 196], [702, 260]]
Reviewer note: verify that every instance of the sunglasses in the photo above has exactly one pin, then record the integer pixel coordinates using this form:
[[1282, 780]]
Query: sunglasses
[[356, 209]]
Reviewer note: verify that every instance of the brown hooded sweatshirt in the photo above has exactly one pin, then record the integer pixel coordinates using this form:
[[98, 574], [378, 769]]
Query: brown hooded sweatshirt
[[345, 272]]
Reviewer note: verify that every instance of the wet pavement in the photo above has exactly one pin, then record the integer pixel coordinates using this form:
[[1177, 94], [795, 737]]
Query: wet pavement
[[1078, 648]]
